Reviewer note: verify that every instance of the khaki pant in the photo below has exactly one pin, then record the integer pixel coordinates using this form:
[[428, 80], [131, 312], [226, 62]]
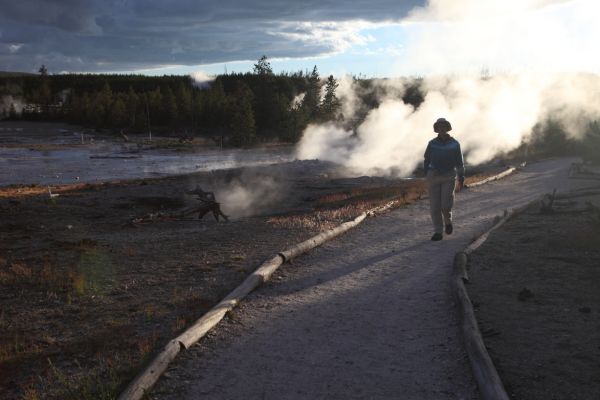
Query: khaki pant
[[441, 198]]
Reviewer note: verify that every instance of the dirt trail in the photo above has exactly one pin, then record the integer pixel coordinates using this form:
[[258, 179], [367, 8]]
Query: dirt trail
[[367, 316]]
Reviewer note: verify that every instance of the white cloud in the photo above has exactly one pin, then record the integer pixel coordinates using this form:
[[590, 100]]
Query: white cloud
[[14, 47], [511, 35], [145, 34], [332, 35]]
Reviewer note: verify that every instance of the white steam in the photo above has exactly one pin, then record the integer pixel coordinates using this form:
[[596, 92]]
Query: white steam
[[249, 194], [7, 101], [202, 79], [455, 40], [297, 101]]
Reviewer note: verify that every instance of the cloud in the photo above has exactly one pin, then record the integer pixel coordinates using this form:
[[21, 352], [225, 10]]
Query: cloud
[[97, 35], [509, 35], [67, 15], [335, 36]]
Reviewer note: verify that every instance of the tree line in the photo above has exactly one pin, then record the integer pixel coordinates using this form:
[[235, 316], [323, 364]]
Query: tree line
[[243, 108], [238, 109]]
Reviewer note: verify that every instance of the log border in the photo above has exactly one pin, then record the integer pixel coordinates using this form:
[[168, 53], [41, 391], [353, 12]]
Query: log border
[[501, 175], [486, 376], [146, 379]]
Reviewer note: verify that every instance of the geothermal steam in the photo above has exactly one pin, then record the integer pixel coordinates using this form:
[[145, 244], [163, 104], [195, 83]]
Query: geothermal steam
[[201, 79], [490, 115]]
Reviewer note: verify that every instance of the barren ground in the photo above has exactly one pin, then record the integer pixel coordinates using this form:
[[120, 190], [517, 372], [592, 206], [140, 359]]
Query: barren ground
[[86, 297], [369, 315], [534, 284]]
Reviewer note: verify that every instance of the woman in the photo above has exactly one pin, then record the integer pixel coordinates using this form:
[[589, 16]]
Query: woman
[[443, 163]]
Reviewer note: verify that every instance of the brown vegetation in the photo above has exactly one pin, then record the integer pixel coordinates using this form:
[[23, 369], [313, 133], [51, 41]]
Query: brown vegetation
[[86, 298]]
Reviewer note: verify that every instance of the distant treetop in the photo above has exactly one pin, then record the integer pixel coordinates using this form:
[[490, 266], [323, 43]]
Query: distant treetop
[[263, 66]]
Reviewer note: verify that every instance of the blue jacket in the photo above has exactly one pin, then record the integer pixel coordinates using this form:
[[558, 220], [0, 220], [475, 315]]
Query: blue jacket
[[444, 156]]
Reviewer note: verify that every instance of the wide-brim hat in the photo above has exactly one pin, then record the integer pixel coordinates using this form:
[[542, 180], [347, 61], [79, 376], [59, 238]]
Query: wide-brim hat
[[442, 125]]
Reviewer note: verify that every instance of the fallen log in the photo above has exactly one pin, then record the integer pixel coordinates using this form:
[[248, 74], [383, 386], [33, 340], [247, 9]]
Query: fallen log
[[320, 239], [460, 266], [147, 378], [492, 178], [210, 319], [144, 381], [488, 381], [487, 378]]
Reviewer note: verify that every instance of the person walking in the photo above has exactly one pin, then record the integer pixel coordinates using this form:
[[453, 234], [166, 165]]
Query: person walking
[[443, 163]]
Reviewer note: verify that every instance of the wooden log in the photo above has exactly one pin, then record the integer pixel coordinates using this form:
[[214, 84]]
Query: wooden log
[[320, 238], [487, 378], [508, 214], [148, 377], [216, 314], [382, 209], [460, 266], [492, 178]]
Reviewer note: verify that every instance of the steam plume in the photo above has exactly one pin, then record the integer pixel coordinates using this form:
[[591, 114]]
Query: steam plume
[[202, 79], [453, 38]]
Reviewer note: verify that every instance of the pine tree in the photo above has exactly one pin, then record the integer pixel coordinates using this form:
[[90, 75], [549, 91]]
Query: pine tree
[[132, 105], [312, 98], [183, 96], [216, 105], [242, 123], [170, 108], [198, 106], [104, 100], [118, 113], [263, 66], [265, 97], [330, 104], [154, 108]]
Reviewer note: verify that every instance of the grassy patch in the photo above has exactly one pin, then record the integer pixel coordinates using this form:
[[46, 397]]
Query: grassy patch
[[332, 209]]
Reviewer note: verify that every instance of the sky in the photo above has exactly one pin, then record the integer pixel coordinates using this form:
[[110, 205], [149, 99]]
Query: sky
[[367, 38]]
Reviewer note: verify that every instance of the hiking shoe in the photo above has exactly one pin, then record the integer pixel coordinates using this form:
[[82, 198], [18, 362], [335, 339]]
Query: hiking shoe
[[436, 237], [449, 229]]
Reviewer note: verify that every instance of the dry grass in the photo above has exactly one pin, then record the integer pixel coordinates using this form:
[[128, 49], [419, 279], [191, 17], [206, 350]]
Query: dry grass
[[331, 209], [334, 208], [13, 345], [41, 274], [20, 191], [16, 191], [147, 344], [179, 324], [101, 381], [107, 369]]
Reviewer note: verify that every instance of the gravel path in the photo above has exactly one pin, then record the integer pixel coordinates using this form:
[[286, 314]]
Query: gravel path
[[367, 316]]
